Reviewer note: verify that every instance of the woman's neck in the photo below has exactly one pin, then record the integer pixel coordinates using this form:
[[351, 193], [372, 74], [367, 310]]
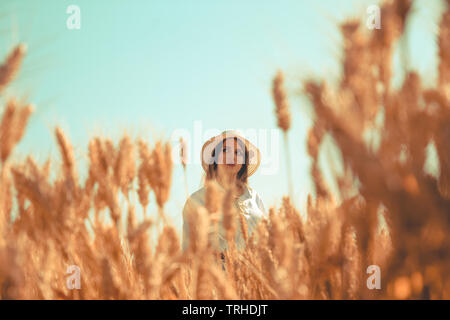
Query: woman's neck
[[224, 183], [224, 180]]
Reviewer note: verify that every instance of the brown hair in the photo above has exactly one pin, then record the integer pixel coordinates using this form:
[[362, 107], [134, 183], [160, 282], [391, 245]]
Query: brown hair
[[241, 176]]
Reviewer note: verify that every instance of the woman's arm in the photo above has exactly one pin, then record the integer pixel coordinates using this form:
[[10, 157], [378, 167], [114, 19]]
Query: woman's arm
[[192, 204]]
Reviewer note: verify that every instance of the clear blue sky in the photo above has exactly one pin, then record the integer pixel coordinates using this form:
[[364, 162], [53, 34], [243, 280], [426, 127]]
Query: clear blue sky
[[152, 67]]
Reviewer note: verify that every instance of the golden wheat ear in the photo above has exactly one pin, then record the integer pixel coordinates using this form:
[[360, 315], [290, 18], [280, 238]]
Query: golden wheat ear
[[11, 66]]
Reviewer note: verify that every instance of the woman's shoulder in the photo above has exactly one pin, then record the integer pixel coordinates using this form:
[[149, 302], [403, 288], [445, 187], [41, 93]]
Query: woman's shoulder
[[257, 198], [250, 189], [197, 196], [195, 200], [253, 193], [198, 193]]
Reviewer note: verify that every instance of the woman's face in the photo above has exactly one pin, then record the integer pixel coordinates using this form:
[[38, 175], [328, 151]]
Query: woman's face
[[231, 157]]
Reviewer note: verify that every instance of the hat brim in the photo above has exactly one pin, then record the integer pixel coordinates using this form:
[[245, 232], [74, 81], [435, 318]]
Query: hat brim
[[253, 152]]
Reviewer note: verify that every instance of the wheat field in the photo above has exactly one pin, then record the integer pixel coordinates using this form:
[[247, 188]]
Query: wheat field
[[397, 217]]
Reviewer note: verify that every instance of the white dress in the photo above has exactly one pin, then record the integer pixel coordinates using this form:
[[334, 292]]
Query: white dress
[[249, 204]]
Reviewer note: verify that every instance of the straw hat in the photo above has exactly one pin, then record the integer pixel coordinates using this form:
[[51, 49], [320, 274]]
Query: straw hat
[[208, 147]]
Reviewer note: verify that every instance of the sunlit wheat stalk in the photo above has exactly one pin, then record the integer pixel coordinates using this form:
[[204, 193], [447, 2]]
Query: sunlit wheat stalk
[[283, 121], [11, 66], [183, 157]]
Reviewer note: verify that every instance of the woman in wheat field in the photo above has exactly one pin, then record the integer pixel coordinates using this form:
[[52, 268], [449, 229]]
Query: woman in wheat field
[[228, 160]]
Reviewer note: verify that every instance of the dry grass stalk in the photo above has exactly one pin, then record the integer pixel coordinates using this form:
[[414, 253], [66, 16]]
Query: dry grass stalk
[[184, 159], [283, 121], [12, 127], [11, 66]]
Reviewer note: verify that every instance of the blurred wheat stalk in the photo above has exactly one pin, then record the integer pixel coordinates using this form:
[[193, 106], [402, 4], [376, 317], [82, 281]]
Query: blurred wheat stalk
[[48, 224]]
